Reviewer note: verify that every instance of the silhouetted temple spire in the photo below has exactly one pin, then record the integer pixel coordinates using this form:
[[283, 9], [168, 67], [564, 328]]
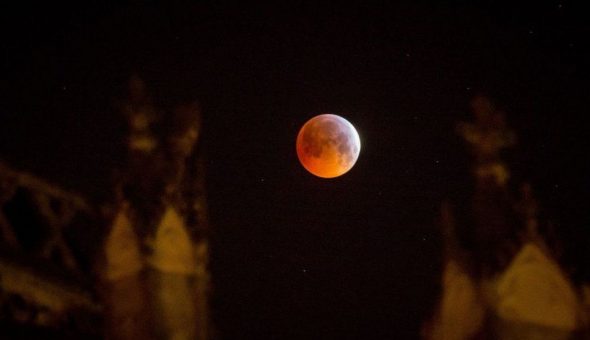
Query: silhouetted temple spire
[[157, 249], [502, 281]]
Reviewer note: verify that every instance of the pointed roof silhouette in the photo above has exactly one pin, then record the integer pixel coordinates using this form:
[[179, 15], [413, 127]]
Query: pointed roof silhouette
[[533, 289], [173, 251], [122, 248]]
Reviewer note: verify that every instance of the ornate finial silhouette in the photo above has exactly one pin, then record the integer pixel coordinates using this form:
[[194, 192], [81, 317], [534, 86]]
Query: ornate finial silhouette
[[487, 136], [140, 115]]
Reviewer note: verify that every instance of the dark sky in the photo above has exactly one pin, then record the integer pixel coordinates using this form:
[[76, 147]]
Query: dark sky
[[294, 256]]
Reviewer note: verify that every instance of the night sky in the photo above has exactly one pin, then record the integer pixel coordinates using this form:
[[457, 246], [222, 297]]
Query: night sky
[[295, 256]]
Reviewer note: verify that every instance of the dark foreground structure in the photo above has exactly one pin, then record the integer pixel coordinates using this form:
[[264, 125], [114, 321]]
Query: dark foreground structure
[[503, 273], [135, 267]]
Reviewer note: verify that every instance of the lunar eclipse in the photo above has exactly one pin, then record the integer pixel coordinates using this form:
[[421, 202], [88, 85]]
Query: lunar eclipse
[[328, 146]]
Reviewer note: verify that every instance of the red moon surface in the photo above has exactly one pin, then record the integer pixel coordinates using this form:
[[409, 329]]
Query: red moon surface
[[328, 146]]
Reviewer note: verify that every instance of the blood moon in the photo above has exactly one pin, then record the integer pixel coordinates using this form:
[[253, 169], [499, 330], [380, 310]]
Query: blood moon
[[328, 145]]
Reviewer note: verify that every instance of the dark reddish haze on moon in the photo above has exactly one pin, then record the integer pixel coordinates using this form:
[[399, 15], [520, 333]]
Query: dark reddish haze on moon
[[328, 146]]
